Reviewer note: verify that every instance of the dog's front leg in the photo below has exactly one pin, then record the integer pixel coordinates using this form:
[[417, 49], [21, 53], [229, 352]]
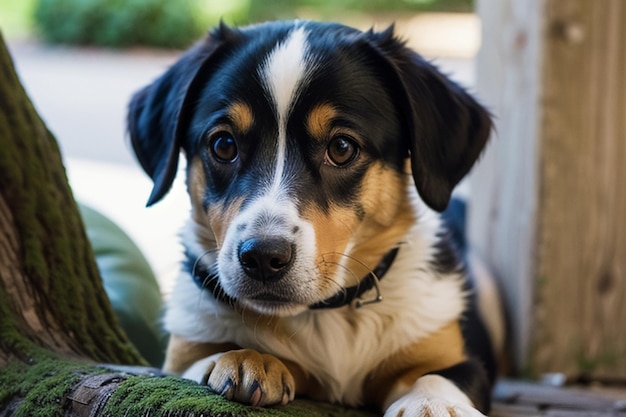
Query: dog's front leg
[[458, 391], [245, 376]]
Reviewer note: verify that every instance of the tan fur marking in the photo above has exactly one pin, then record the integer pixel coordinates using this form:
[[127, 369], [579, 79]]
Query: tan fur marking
[[217, 218], [196, 187], [384, 195], [440, 350], [220, 218], [241, 116], [319, 121], [181, 353], [332, 233], [388, 216]]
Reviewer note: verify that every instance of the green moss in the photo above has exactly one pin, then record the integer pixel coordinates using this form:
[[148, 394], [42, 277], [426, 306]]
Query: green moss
[[171, 396], [588, 364], [11, 338], [38, 387], [56, 261]]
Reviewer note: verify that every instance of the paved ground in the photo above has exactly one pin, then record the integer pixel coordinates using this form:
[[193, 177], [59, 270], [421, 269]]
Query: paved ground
[[82, 95]]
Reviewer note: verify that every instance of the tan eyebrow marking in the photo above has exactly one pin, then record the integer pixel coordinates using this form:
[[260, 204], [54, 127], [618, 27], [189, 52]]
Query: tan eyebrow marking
[[241, 116], [319, 121]]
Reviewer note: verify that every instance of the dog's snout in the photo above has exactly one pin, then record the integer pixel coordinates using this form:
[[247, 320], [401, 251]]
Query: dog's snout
[[265, 260]]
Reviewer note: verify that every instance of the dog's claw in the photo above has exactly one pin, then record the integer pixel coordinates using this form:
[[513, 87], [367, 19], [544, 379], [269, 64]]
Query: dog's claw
[[227, 389], [251, 378], [255, 397]]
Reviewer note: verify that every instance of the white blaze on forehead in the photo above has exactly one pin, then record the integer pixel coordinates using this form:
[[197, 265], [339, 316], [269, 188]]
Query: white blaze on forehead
[[284, 69], [283, 72]]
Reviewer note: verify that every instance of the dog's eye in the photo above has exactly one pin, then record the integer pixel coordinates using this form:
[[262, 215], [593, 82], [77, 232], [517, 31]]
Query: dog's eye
[[341, 151], [224, 147]]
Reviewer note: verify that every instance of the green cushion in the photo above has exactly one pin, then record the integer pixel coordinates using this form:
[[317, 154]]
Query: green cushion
[[129, 283]]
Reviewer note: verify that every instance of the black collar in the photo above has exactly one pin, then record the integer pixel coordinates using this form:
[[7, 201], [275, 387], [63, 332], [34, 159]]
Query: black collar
[[209, 281]]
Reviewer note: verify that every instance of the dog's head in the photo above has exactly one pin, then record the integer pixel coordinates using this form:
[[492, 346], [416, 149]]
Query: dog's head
[[297, 136]]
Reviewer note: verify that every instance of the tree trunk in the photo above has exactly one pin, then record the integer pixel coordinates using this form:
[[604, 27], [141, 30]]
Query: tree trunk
[[56, 323]]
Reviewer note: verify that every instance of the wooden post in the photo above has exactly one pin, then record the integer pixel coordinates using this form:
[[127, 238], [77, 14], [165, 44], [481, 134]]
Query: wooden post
[[548, 204]]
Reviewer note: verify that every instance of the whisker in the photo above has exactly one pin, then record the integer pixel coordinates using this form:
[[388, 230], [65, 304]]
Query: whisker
[[371, 274], [208, 279], [241, 310], [221, 293], [352, 258], [199, 258], [348, 270], [295, 331], [255, 329]]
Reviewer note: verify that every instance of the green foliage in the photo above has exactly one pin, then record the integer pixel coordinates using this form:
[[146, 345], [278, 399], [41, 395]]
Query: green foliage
[[118, 23], [334, 9], [177, 23], [16, 17]]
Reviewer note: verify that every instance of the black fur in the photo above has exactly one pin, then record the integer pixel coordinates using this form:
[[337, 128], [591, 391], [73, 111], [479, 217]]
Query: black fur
[[447, 128], [452, 255], [441, 127], [470, 377]]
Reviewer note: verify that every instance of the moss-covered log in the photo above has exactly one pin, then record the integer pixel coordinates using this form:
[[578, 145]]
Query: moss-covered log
[[56, 323]]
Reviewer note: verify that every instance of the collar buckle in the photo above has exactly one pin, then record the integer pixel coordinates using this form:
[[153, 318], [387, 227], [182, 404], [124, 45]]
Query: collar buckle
[[359, 302]]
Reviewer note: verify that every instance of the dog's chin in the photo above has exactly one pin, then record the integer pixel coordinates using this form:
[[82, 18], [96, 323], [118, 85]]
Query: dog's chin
[[280, 308]]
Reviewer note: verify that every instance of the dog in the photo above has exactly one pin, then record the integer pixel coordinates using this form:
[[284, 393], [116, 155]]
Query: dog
[[319, 158]]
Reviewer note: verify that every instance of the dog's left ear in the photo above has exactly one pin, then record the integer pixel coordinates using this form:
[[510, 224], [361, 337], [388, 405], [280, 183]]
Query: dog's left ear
[[447, 128], [157, 114]]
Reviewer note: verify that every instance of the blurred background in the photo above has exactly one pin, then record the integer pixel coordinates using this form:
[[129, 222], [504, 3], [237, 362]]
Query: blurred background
[[81, 60]]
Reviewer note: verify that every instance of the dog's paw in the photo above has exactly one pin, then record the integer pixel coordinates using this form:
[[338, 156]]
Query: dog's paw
[[245, 376], [416, 406], [431, 396]]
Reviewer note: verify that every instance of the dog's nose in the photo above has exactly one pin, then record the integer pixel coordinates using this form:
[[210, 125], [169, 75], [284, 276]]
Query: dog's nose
[[265, 260]]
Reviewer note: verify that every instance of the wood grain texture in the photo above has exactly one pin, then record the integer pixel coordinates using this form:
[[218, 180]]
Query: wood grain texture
[[580, 308], [548, 203], [504, 185]]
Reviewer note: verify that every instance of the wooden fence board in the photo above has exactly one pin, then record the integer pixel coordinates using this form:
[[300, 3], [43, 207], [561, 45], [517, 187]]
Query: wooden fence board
[[548, 201], [581, 289]]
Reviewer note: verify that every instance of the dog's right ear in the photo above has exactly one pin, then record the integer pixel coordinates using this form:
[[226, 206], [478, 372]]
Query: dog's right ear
[[158, 114]]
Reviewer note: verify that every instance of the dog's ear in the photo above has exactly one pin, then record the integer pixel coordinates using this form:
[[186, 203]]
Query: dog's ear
[[158, 114], [447, 128]]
